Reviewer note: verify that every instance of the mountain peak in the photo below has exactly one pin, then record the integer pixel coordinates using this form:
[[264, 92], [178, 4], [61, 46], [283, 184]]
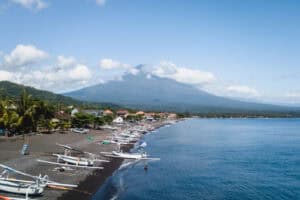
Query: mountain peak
[[141, 70], [142, 90]]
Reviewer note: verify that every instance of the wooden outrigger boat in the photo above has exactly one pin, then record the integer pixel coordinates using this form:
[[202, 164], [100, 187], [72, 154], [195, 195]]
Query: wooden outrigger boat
[[17, 187], [75, 160], [25, 187], [66, 160], [135, 156], [80, 130]]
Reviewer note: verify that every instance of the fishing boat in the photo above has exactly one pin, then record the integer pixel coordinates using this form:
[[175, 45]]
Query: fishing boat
[[21, 187], [75, 160], [66, 160], [116, 141], [18, 186], [135, 156], [34, 187], [80, 130]]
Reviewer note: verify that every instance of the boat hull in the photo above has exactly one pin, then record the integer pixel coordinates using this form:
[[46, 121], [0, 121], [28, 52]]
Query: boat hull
[[74, 161], [20, 188], [127, 155]]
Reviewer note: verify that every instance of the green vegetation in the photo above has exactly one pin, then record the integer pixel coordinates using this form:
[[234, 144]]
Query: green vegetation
[[134, 118], [9, 90], [108, 119], [82, 120], [25, 114]]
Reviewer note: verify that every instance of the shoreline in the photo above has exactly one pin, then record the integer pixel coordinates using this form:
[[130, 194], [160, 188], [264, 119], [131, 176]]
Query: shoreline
[[95, 181], [43, 146]]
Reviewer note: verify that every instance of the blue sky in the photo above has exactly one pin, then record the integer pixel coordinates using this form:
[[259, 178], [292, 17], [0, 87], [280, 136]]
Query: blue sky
[[241, 49]]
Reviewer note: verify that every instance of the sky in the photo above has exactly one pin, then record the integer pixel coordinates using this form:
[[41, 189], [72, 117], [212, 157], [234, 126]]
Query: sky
[[240, 49]]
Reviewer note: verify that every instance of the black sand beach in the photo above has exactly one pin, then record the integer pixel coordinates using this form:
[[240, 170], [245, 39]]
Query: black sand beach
[[43, 146]]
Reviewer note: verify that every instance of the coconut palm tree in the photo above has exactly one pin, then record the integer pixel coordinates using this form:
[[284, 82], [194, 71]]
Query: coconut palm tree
[[9, 118], [31, 111]]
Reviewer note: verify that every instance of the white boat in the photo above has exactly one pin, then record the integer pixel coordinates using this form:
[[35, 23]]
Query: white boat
[[66, 160], [139, 129], [137, 156], [75, 160], [134, 156], [80, 130], [109, 127], [130, 135], [19, 187], [126, 138], [116, 141], [65, 166], [25, 187]]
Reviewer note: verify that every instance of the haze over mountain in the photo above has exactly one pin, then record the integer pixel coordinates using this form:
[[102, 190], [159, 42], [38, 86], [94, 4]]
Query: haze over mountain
[[144, 91]]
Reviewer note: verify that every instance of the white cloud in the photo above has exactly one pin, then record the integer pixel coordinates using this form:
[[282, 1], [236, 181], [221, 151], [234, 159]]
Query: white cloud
[[31, 4], [293, 95], [63, 74], [6, 76], [133, 71], [80, 72], [100, 2], [23, 55], [53, 79], [182, 74], [63, 61], [109, 64], [241, 91]]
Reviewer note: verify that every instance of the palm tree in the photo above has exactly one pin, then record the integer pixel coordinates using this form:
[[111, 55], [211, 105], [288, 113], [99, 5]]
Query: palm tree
[[25, 114], [25, 102], [9, 118], [41, 110], [31, 111]]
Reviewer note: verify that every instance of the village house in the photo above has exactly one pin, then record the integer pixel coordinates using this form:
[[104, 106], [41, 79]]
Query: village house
[[118, 120], [150, 114], [172, 116], [122, 113], [140, 113], [149, 117], [61, 115], [74, 112], [107, 112]]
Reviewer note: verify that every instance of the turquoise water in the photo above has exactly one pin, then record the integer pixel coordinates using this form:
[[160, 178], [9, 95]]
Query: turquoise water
[[215, 159]]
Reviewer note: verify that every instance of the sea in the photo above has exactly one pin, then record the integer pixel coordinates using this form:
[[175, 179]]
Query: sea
[[228, 159]]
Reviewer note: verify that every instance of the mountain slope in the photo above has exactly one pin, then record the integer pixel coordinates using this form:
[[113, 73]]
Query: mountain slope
[[140, 91], [13, 91]]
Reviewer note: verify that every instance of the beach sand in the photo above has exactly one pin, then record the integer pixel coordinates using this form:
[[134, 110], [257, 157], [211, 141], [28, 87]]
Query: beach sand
[[44, 145]]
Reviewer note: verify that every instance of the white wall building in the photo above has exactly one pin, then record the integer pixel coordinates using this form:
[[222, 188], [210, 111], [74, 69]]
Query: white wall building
[[74, 111], [118, 120]]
